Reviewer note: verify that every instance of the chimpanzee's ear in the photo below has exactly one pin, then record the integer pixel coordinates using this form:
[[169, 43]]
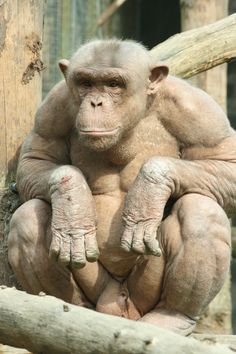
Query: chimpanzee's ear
[[158, 73], [63, 65]]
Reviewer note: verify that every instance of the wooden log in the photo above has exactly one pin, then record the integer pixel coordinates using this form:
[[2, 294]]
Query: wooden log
[[5, 349], [197, 50], [228, 340], [44, 324]]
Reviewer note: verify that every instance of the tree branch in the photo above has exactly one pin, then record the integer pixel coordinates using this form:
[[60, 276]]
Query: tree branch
[[194, 51], [109, 11], [48, 325]]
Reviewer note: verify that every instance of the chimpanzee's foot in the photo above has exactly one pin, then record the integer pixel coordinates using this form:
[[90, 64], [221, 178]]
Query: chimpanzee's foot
[[171, 320]]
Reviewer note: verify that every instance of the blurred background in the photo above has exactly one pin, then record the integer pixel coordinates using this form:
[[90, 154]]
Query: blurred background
[[69, 23]]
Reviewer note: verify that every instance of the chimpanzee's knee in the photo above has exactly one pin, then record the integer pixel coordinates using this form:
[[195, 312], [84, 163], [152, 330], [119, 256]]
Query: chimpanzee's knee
[[28, 224]]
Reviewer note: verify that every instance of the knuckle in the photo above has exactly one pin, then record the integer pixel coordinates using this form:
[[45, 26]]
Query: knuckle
[[148, 237], [90, 234], [125, 244], [128, 216], [128, 221]]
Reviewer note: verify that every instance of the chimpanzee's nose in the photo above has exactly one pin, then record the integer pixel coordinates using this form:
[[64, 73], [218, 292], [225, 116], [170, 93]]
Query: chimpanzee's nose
[[96, 102]]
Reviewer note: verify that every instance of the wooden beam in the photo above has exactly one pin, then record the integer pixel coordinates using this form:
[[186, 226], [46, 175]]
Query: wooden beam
[[197, 50], [44, 324]]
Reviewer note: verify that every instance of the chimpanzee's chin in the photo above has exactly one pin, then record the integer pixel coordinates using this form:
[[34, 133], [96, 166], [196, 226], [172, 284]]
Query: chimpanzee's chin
[[99, 144]]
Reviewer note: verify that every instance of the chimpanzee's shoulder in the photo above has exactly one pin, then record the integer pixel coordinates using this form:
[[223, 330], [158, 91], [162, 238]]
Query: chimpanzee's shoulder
[[55, 116], [192, 115]]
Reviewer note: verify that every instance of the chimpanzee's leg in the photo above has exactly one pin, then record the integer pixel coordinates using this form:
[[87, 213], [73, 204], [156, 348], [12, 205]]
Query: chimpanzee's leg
[[28, 249], [195, 240]]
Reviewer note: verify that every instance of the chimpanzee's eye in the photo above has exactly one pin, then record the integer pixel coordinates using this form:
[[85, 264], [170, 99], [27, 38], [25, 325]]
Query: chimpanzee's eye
[[85, 83], [113, 83]]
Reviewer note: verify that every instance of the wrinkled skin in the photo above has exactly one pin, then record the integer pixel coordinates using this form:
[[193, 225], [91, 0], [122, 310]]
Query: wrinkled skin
[[128, 177]]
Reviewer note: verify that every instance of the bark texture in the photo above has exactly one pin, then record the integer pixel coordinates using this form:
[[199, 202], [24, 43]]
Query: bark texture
[[20, 83], [191, 52], [21, 23], [44, 324]]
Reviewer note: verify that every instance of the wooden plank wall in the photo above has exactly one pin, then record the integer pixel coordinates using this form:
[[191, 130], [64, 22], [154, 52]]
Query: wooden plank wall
[[68, 24]]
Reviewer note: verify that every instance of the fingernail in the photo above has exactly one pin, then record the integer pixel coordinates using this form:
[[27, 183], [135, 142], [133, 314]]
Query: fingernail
[[158, 252]]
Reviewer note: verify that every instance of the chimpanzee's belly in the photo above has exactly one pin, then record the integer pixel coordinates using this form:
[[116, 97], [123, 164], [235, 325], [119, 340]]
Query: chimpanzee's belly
[[109, 211]]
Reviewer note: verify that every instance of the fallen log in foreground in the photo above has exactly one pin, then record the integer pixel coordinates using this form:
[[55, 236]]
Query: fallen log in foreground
[[44, 324]]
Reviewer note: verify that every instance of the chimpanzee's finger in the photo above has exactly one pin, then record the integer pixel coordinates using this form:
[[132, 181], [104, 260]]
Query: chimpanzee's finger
[[78, 259], [91, 247], [64, 255], [126, 239], [138, 239], [151, 241]]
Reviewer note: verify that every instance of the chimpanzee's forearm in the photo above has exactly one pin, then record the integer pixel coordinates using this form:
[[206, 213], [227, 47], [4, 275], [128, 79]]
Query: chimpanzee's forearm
[[32, 178], [40, 178], [43, 163], [213, 178]]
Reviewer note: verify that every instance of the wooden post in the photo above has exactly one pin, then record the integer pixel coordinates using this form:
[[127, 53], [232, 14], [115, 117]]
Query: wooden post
[[21, 23], [196, 14]]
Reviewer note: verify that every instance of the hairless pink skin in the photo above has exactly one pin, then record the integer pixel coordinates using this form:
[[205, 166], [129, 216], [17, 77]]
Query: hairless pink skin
[[128, 177]]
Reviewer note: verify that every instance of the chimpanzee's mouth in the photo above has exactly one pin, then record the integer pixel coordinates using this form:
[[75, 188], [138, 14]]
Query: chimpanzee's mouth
[[98, 132]]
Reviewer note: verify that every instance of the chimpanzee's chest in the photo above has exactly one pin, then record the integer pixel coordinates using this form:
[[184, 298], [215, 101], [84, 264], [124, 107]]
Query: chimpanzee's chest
[[109, 172], [109, 182]]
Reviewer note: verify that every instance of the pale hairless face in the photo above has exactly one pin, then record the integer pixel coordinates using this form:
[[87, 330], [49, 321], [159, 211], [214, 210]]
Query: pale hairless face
[[111, 91], [128, 177]]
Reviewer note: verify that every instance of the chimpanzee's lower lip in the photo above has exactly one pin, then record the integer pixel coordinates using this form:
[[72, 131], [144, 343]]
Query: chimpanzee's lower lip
[[98, 132]]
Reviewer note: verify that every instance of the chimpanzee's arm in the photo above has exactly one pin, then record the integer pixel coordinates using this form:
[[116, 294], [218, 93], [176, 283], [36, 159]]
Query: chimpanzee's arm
[[207, 165], [44, 172]]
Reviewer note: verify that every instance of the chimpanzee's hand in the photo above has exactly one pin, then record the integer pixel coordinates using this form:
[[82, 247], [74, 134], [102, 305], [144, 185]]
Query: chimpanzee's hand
[[73, 220], [143, 211]]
